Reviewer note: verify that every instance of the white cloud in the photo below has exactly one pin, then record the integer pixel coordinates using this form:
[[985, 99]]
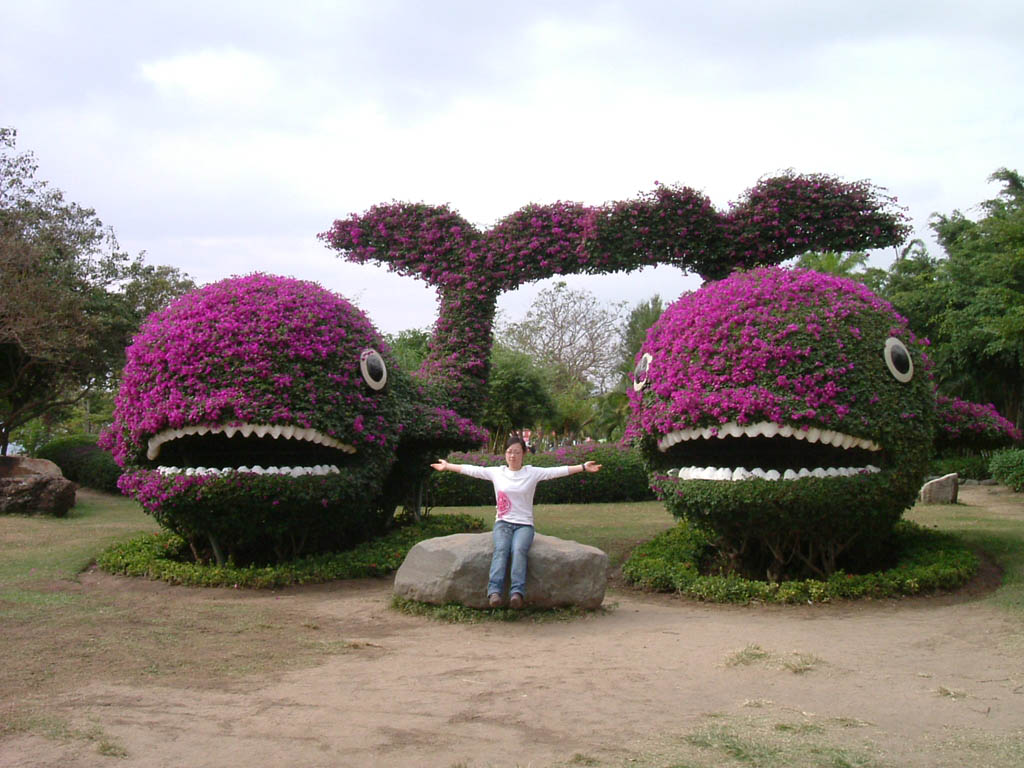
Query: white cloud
[[215, 79]]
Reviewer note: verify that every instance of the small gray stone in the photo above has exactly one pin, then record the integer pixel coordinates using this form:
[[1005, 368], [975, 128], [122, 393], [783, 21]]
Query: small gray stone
[[454, 569], [942, 490], [989, 481]]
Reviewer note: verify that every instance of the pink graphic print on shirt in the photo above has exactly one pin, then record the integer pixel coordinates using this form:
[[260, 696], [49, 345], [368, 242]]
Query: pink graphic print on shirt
[[504, 504]]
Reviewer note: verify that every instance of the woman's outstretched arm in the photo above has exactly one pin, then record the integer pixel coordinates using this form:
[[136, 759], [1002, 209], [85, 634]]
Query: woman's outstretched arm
[[443, 466]]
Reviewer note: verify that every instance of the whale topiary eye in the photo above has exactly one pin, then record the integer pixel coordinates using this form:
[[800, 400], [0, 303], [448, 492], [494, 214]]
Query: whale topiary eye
[[375, 372], [640, 372], [897, 359]]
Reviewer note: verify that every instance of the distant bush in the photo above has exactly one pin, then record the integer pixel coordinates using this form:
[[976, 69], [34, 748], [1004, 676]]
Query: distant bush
[[1008, 468], [83, 462], [973, 467], [622, 478]]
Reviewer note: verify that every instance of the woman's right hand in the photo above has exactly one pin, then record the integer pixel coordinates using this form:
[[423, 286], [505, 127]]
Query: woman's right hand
[[441, 465]]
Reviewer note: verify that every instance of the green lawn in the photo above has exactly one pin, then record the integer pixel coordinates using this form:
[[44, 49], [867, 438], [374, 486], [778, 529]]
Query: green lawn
[[998, 532], [614, 528], [37, 549]]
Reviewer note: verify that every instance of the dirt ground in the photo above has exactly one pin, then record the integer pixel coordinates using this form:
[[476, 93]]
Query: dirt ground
[[920, 682]]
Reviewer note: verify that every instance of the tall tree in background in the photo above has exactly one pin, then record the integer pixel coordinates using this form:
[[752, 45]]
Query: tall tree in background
[[980, 320], [569, 332], [69, 298], [518, 396]]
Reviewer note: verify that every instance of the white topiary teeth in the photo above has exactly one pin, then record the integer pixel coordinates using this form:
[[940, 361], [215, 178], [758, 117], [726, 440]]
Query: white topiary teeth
[[742, 473], [261, 430], [319, 469], [767, 429]]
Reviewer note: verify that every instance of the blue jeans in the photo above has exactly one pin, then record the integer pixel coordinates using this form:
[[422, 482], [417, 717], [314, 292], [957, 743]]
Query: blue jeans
[[515, 540]]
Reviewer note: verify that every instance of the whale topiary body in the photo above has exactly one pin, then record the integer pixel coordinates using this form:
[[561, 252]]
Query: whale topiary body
[[261, 417], [788, 411]]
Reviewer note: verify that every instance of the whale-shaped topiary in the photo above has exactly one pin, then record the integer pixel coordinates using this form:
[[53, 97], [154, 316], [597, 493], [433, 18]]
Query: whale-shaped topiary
[[261, 417], [788, 411]]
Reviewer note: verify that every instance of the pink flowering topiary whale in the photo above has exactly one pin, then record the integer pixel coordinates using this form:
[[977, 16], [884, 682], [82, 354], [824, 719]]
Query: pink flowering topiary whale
[[260, 417], [790, 412]]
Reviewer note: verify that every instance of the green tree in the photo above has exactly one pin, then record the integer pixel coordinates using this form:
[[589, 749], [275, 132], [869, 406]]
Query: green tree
[[518, 395], [970, 304], [69, 297], [981, 323], [847, 264], [571, 334], [410, 347]]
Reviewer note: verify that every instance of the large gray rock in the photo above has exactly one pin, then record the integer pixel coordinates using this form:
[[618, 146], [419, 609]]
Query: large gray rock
[[941, 490], [454, 569], [34, 487]]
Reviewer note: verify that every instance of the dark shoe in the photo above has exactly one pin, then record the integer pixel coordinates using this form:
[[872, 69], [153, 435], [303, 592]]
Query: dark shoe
[[494, 600], [515, 602]]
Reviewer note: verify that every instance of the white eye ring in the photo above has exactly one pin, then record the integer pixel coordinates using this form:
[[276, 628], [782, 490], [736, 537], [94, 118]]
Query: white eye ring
[[375, 372], [640, 372], [898, 360]]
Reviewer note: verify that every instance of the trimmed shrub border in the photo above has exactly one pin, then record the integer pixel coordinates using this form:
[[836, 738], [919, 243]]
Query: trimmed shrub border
[[159, 556], [928, 561]]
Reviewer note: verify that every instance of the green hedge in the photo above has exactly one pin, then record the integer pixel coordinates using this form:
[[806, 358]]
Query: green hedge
[[974, 467], [165, 556], [83, 462], [622, 478], [1008, 468], [925, 561]]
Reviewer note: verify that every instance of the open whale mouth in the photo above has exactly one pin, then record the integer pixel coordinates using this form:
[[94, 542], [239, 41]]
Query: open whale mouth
[[256, 448], [766, 451]]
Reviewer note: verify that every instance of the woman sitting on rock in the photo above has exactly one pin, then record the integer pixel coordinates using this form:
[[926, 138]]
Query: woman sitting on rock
[[514, 486]]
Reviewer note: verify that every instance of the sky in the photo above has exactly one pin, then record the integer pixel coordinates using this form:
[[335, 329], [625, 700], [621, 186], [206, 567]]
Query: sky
[[221, 137]]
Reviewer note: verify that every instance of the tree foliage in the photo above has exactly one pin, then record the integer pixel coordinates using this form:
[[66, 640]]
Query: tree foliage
[[518, 395], [69, 297], [970, 304], [572, 335]]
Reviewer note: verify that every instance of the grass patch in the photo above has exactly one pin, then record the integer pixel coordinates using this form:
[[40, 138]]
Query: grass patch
[[58, 729], [752, 654], [766, 742], [998, 531], [454, 613], [39, 549], [797, 663]]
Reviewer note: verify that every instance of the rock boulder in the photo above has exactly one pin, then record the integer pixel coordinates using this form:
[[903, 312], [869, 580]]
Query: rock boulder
[[34, 487], [941, 490], [454, 569]]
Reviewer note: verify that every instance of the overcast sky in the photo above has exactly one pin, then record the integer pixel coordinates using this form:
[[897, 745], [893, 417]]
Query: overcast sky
[[221, 137]]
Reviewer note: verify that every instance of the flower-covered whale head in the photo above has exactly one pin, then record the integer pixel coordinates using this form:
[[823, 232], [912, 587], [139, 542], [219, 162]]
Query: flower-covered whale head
[[783, 389], [258, 404]]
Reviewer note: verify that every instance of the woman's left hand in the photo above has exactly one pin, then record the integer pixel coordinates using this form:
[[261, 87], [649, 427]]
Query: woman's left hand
[[591, 466]]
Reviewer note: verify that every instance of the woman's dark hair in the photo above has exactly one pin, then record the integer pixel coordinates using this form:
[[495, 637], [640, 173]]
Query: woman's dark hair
[[513, 440]]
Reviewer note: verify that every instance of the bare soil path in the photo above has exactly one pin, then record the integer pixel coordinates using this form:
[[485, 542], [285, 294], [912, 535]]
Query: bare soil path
[[917, 682]]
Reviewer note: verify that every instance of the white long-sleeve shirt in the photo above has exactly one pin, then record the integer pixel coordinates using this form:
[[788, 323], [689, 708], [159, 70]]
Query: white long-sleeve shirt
[[513, 491]]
